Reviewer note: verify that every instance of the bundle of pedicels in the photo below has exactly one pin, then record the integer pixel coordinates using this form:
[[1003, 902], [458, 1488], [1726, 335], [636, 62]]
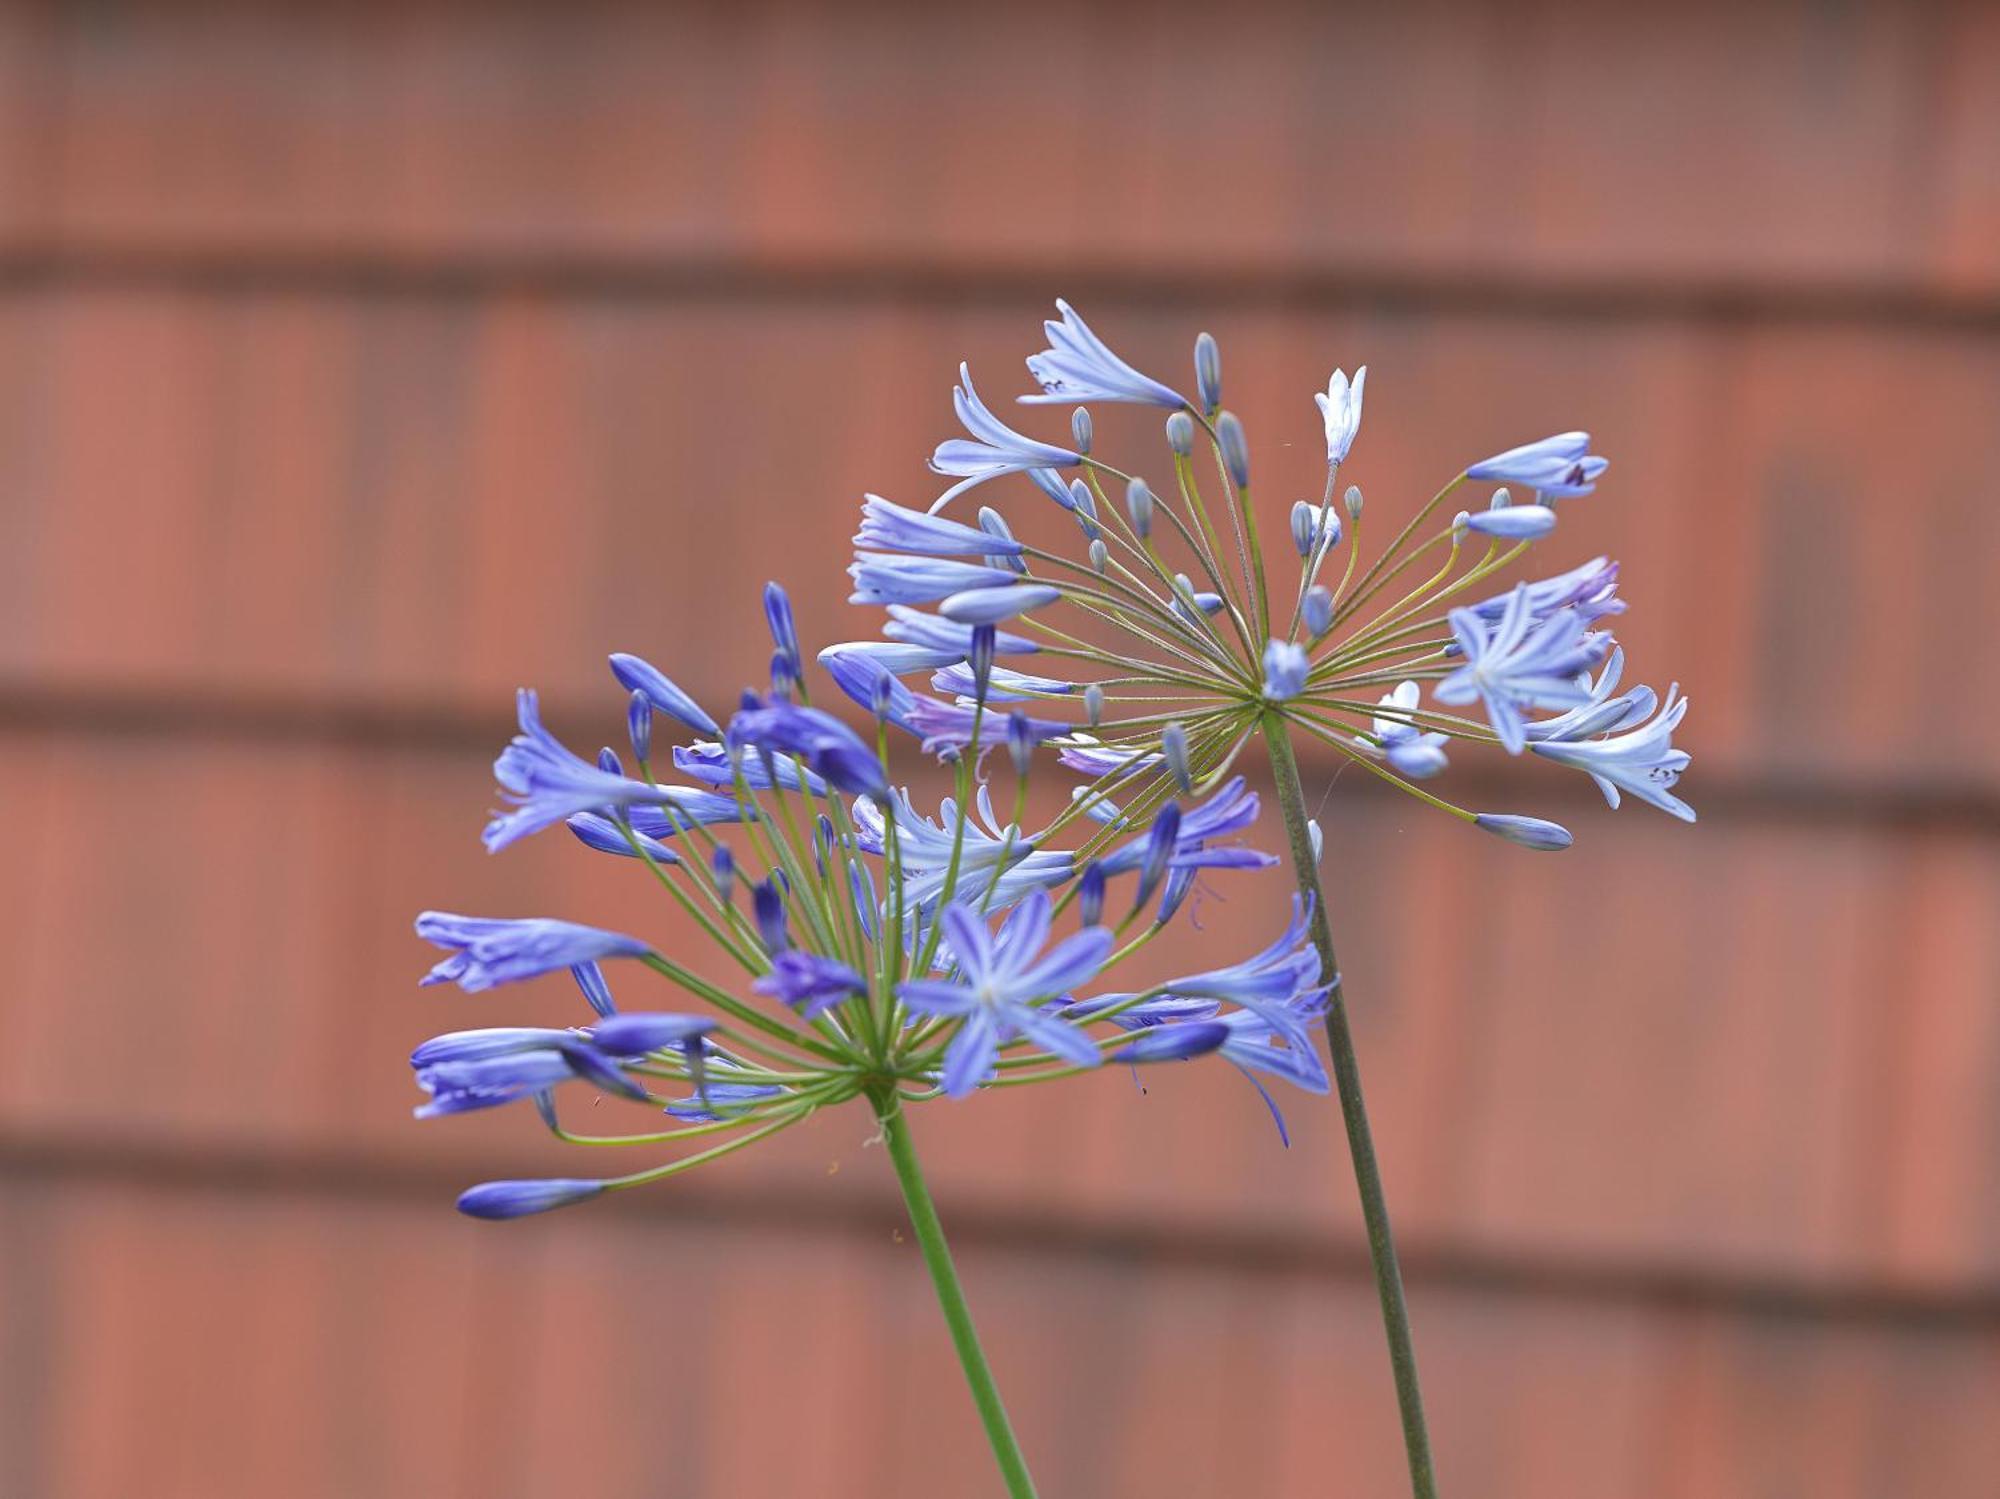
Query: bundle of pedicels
[[857, 947]]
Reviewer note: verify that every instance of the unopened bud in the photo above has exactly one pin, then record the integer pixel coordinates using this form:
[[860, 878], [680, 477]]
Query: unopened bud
[[1139, 504], [1235, 448], [1180, 433], [1093, 704], [1079, 429], [1174, 745], [1208, 371]]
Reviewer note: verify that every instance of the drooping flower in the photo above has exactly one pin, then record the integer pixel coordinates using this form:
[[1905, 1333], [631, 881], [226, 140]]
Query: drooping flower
[[1079, 366], [1340, 412], [993, 449], [1642, 761], [1003, 986]]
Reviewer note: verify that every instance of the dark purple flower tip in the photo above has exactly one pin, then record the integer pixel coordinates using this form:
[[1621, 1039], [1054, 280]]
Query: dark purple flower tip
[[1174, 1043], [636, 674], [519, 1199], [770, 908]]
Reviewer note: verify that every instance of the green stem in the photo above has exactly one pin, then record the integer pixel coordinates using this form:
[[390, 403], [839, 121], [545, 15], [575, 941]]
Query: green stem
[[951, 1296], [1360, 1142]]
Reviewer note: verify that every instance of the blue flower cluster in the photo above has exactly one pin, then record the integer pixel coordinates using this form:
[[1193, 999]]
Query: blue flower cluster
[[873, 947]]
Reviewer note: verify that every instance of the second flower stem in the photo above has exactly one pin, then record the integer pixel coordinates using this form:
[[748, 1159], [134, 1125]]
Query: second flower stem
[[951, 1296], [1354, 1111]]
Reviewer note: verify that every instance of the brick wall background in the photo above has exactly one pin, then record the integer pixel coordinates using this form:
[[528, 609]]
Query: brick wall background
[[359, 363]]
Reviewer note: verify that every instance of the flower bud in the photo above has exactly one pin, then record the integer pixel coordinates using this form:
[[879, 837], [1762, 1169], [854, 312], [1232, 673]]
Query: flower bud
[[722, 864], [770, 908], [1174, 1043], [1353, 501], [1159, 852], [1139, 504], [784, 634], [1317, 838], [1090, 894], [639, 725], [1304, 526], [1084, 503], [980, 659], [1093, 704], [1100, 556], [1208, 371], [590, 979], [608, 762], [1174, 746], [1317, 611], [784, 676], [1529, 832], [1180, 433], [517, 1199], [993, 523], [1235, 448], [1020, 742], [1079, 429]]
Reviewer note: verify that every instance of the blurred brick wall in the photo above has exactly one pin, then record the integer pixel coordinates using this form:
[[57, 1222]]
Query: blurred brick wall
[[357, 364]]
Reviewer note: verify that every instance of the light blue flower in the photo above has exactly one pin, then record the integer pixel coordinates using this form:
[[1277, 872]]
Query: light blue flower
[[1559, 467], [1004, 983], [889, 527], [1088, 756], [864, 676], [1340, 411], [491, 950], [1268, 981], [928, 641], [1516, 663], [1642, 761], [1004, 686], [990, 605], [545, 782], [1285, 668], [1590, 588], [1079, 366], [1510, 522], [891, 578], [993, 449]]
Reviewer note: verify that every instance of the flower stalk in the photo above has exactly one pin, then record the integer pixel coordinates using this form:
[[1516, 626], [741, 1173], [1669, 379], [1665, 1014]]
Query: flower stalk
[[950, 1294], [1354, 1115]]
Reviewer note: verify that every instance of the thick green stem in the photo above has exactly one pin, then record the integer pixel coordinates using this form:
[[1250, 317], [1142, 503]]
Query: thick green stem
[[950, 1295], [1360, 1142]]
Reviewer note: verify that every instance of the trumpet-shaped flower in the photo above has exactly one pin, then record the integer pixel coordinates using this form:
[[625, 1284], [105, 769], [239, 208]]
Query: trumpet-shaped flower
[[545, 782], [492, 950], [1340, 413], [993, 449], [1559, 467], [889, 527], [892, 578], [1642, 761], [1079, 366], [825, 745]]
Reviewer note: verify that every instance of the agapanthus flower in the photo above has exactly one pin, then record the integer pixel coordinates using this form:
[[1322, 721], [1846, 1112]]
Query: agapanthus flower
[[1079, 366], [487, 950], [545, 782], [993, 449], [1178, 647], [1642, 760], [1340, 412], [891, 527], [865, 962], [1559, 467]]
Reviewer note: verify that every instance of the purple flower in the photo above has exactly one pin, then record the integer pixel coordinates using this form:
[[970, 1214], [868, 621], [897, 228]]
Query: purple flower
[[1003, 686], [1285, 669], [1079, 366], [1517, 663], [990, 605], [1004, 982], [1529, 832], [993, 449], [828, 747], [710, 762], [546, 782], [604, 835], [635, 674], [1267, 982], [859, 671], [948, 726], [490, 950], [1559, 467], [808, 982], [1591, 589]]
